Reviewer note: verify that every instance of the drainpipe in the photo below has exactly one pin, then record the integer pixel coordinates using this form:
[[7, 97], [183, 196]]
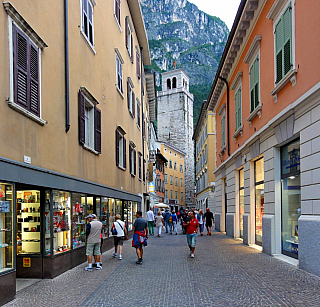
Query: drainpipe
[[226, 82], [66, 55]]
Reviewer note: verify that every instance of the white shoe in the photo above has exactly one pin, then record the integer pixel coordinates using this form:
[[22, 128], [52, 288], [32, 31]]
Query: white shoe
[[120, 257], [99, 267], [88, 268], [114, 255], [192, 255]]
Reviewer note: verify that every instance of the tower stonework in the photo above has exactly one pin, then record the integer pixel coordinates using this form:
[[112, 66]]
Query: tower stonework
[[175, 123]]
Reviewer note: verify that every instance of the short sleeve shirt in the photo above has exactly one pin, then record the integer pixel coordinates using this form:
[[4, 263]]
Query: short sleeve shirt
[[140, 224], [192, 226], [208, 216]]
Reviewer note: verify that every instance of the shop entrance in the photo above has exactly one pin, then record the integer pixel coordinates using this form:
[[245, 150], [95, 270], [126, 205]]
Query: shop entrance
[[29, 232]]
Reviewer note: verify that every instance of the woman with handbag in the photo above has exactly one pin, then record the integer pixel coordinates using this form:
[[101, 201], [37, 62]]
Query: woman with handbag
[[159, 222], [120, 234]]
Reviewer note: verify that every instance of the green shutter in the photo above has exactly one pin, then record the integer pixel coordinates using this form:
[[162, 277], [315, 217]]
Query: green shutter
[[238, 109], [256, 82], [279, 45], [223, 131], [252, 87], [287, 32]]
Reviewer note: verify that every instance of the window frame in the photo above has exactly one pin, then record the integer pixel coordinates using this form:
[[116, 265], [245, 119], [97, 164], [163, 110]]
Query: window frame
[[131, 97], [129, 37], [238, 125], [119, 74], [181, 182], [86, 36], [140, 166], [171, 179], [223, 130], [121, 155], [132, 160], [255, 58], [115, 14], [138, 121]]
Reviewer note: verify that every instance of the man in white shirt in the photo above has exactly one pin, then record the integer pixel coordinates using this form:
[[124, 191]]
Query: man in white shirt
[[121, 235], [150, 220]]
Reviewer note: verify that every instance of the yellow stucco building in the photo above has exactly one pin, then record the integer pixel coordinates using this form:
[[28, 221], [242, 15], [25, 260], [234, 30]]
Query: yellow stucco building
[[205, 142]]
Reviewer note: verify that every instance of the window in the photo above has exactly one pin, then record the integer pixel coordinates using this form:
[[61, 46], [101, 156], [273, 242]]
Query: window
[[119, 63], [181, 196], [87, 20], [254, 84], [165, 150], [171, 194], [176, 181], [89, 122], [132, 159], [170, 163], [171, 179], [166, 194], [26, 72], [168, 84], [174, 82], [140, 164], [283, 44], [138, 68], [181, 168], [117, 10], [223, 130], [175, 166], [121, 158], [181, 182], [180, 157], [175, 154], [237, 100], [166, 178], [138, 113], [129, 39], [176, 195], [130, 97], [170, 152]]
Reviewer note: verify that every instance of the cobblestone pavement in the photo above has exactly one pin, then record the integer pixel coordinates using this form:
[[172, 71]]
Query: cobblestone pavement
[[224, 272]]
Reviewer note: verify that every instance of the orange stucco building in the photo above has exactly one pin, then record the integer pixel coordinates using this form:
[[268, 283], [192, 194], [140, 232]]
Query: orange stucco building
[[266, 96]]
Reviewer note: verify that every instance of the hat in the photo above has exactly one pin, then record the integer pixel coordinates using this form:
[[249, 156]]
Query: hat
[[91, 215]]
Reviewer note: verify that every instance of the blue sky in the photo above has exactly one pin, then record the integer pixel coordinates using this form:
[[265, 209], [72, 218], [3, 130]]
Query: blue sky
[[226, 10]]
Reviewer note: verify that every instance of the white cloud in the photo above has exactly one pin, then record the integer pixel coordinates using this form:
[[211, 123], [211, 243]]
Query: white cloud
[[226, 10]]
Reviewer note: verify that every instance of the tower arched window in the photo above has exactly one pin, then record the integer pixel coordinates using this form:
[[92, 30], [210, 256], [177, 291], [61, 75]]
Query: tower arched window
[[174, 82], [168, 84]]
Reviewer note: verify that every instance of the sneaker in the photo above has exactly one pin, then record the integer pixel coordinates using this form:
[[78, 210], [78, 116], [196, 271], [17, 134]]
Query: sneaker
[[210, 234], [88, 269], [114, 255], [99, 267], [139, 262], [192, 255], [120, 257]]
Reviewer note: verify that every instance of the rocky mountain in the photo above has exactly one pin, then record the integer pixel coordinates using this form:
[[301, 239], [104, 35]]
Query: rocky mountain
[[178, 31]]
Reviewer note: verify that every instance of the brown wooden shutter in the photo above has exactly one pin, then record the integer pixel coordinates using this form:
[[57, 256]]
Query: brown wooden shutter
[[130, 159], [135, 162], [20, 62], [34, 80], [82, 120], [128, 93], [124, 153], [97, 130], [133, 104], [117, 147]]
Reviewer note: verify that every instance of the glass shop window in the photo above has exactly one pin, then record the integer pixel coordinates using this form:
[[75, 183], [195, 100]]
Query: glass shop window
[[78, 220]]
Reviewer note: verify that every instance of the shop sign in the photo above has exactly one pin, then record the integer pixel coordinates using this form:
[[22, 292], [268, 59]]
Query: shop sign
[[27, 262], [151, 187], [152, 156]]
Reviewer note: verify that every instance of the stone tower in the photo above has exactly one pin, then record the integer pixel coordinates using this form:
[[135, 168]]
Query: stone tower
[[175, 122]]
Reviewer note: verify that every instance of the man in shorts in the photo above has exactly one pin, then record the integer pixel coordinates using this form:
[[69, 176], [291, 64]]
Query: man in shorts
[[93, 241], [140, 235], [120, 236], [192, 226], [208, 217]]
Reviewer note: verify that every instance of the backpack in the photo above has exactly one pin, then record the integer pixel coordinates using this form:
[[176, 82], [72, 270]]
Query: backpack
[[170, 219]]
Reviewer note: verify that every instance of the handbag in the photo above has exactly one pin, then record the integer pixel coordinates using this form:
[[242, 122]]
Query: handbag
[[114, 230]]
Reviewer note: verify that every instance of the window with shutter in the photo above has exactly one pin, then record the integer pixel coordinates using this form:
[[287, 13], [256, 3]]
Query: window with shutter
[[254, 84], [238, 118], [139, 165], [283, 44], [87, 20], [129, 38], [223, 130], [138, 113], [138, 64]]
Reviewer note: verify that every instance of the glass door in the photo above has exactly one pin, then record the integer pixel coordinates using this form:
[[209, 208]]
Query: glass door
[[259, 195], [241, 201]]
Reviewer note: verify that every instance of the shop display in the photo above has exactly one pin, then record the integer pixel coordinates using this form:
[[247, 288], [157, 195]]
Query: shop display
[[28, 222], [104, 216], [78, 220], [259, 191], [6, 227]]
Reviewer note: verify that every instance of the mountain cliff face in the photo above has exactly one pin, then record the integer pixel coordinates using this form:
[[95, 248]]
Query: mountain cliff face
[[178, 31]]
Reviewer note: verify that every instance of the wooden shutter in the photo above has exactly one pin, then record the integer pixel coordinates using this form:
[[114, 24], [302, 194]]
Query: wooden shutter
[[128, 94], [34, 80], [236, 110], [139, 167], [117, 147], [279, 44], [223, 127], [82, 120], [287, 48], [130, 159], [256, 81], [131, 57], [143, 132], [135, 161], [138, 115], [133, 104], [127, 32], [252, 87], [97, 130], [138, 64], [124, 153]]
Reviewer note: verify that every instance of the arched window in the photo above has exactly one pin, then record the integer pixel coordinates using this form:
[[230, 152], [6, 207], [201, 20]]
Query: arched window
[[174, 82], [168, 84]]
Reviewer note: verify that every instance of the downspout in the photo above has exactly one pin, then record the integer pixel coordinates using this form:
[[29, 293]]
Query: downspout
[[226, 82], [66, 55]]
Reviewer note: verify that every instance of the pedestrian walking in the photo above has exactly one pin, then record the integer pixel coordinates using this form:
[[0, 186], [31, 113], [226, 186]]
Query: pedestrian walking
[[173, 222], [159, 223], [208, 216], [166, 218], [200, 220], [119, 232], [178, 217], [192, 228], [140, 235], [150, 220], [93, 234], [184, 218]]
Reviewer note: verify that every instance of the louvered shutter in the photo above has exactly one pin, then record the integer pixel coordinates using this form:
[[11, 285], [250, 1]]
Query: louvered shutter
[[239, 108], [287, 32], [236, 111], [124, 153], [138, 64], [34, 80], [279, 44], [127, 32], [138, 115], [143, 132], [97, 130], [117, 147], [139, 167], [130, 159], [133, 104], [135, 161], [223, 140], [128, 94], [131, 46], [252, 87], [256, 81], [82, 120]]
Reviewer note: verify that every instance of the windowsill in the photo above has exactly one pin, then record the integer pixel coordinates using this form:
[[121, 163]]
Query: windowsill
[[121, 167], [254, 113], [131, 114], [239, 131], [86, 147], [88, 43], [121, 94], [27, 113], [223, 149], [115, 17], [133, 175], [138, 127], [291, 76], [131, 58]]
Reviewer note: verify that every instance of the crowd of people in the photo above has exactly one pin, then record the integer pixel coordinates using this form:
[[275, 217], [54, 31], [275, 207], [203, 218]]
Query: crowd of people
[[191, 222]]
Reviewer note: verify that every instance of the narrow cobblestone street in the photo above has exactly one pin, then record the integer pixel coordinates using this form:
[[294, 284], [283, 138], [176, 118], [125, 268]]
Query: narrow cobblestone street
[[224, 272]]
